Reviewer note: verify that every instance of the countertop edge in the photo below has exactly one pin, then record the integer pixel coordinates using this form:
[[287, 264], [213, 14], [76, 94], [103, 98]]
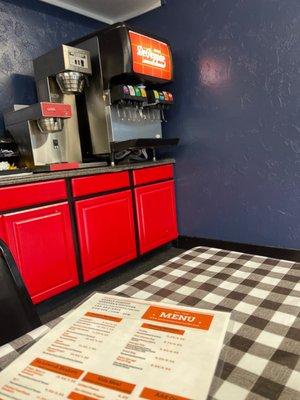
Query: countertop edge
[[49, 176]]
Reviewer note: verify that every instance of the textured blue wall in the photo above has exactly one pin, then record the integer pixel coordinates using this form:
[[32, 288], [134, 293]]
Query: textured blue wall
[[237, 113], [29, 28]]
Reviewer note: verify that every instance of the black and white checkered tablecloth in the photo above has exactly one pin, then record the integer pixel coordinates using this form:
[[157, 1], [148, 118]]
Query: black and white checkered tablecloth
[[261, 356]]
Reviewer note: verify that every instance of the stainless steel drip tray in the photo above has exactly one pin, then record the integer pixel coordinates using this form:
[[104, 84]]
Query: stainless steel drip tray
[[142, 143]]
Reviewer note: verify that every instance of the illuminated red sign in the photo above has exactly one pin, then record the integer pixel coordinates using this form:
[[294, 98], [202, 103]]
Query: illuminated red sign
[[150, 56]]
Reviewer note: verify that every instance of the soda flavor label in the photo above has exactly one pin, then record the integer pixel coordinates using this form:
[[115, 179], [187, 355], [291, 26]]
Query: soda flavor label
[[166, 96], [161, 96], [156, 94], [137, 91], [131, 90], [143, 91], [125, 89], [150, 56]]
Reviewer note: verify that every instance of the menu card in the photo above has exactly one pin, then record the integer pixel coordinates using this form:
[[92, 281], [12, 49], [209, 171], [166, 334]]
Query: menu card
[[113, 347]]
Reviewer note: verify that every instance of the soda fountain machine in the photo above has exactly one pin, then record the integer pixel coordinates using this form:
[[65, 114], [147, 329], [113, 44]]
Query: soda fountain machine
[[123, 106]]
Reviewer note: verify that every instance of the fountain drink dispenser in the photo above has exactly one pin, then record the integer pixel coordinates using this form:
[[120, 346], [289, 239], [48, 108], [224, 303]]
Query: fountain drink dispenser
[[124, 103]]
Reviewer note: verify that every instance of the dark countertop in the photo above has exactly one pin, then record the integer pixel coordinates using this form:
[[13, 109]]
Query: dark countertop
[[46, 176]]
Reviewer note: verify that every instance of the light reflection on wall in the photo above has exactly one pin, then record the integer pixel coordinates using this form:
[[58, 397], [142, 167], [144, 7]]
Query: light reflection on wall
[[214, 72]]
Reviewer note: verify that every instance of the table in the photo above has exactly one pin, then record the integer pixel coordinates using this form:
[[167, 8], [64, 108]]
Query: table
[[261, 356]]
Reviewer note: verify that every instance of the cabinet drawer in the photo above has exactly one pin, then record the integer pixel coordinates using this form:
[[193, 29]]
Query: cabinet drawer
[[31, 194], [99, 183], [152, 174]]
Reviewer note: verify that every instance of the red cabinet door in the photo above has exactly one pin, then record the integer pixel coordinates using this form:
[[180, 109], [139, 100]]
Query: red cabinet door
[[106, 232], [2, 231], [156, 214], [41, 242]]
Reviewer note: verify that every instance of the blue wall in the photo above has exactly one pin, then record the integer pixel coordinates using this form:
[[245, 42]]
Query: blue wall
[[28, 29], [237, 113]]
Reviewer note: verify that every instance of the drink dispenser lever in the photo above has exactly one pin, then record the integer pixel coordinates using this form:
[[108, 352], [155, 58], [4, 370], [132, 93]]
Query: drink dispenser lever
[[162, 114], [159, 101]]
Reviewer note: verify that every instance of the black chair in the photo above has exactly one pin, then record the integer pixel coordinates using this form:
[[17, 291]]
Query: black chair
[[17, 313]]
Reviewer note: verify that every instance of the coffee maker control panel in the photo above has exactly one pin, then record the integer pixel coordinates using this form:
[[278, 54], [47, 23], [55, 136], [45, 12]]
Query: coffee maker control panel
[[77, 59]]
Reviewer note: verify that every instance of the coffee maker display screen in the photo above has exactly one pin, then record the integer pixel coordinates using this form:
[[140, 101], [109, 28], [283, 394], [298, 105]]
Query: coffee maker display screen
[[150, 56]]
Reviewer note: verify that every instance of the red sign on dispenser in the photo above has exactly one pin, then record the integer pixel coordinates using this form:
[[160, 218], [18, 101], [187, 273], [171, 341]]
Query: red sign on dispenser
[[59, 110], [150, 56]]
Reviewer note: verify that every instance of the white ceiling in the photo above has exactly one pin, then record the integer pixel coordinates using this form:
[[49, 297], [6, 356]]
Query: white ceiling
[[109, 11]]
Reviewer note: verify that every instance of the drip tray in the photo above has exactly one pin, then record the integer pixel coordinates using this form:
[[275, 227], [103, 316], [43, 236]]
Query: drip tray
[[142, 144]]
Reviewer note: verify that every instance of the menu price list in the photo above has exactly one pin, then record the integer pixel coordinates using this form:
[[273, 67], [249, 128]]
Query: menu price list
[[117, 348]]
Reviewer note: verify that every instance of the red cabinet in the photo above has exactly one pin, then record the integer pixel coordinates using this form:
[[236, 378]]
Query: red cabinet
[[156, 214], [2, 231], [106, 232], [41, 238], [42, 244]]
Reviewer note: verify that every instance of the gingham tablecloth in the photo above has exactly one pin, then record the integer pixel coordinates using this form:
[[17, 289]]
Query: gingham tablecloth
[[261, 356]]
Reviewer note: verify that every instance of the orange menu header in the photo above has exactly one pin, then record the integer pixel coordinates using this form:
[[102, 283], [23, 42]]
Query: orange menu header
[[102, 316], [150, 56], [78, 396], [163, 329], [152, 394], [179, 317], [110, 383], [57, 368]]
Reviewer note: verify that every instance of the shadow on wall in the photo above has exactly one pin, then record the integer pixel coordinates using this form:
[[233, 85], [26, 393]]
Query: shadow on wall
[[22, 91]]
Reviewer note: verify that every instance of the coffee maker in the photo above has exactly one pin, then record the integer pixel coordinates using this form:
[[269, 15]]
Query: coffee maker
[[61, 75], [47, 132], [38, 132], [123, 106]]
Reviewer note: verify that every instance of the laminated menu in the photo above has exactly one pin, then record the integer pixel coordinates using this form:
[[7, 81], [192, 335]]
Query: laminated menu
[[112, 347]]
